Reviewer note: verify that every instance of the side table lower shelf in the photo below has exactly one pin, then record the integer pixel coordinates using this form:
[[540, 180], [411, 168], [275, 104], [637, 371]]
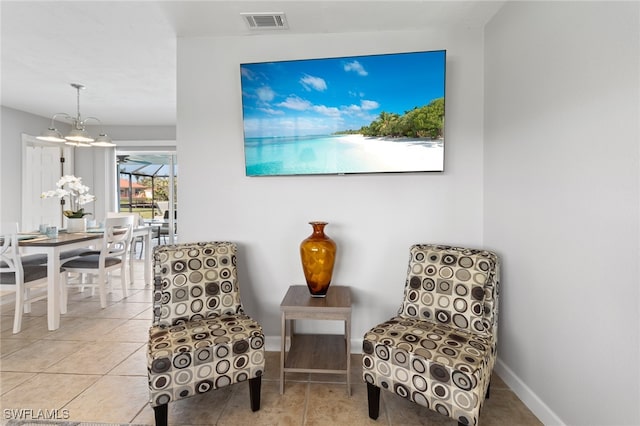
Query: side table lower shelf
[[316, 353]]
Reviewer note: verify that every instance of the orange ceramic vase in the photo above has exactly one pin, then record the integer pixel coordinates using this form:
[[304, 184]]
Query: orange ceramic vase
[[318, 255]]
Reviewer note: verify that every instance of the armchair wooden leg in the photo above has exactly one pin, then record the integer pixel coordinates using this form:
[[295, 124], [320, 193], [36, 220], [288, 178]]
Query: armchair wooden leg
[[254, 392], [162, 414], [373, 395]]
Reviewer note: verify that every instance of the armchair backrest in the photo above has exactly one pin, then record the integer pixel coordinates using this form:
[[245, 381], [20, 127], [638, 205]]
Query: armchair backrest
[[454, 286], [193, 281]]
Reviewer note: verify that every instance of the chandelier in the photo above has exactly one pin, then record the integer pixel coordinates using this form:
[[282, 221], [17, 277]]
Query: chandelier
[[78, 136]]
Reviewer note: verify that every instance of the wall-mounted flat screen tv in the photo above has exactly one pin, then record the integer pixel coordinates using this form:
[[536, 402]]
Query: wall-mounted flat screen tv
[[358, 114]]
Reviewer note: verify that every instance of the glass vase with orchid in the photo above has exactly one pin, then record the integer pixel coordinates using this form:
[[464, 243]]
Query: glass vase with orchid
[[78, 193]]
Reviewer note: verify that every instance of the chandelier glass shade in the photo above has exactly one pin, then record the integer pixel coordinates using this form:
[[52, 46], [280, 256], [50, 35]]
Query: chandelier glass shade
[[78, 136]]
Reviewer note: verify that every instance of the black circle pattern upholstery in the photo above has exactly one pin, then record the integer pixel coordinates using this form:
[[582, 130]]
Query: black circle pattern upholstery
[[201, 339], [439, 351]]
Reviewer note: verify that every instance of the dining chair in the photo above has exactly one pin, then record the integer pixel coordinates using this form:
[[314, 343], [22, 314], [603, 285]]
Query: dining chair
[[201, 339], [439, 351], [165, 229], [136, 221], [136, 241], [28, 281], [112, 256]]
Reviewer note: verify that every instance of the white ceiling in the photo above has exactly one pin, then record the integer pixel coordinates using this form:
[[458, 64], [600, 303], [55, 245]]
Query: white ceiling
[[124, 52]]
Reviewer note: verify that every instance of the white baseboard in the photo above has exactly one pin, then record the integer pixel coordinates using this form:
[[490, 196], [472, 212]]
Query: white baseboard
[[272, 343], [527, 396]]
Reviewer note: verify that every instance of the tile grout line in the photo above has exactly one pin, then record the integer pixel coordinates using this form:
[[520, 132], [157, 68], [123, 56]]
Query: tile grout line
[[306, 401], [139, 412], [225, 406], [125, 359]]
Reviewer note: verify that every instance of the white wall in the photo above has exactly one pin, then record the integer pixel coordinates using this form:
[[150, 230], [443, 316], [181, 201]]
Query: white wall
[[13, 123], [373, 218], [144, 134], [561, 202]]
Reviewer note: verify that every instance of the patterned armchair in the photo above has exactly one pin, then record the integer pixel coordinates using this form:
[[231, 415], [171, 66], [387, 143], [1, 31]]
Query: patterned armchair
[[201, 339], [439, 351]]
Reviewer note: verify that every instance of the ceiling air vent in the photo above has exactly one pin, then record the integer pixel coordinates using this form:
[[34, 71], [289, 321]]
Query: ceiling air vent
[[265, 21]]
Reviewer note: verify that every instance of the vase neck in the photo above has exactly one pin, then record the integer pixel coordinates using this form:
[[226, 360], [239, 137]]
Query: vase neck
[[318, 228]]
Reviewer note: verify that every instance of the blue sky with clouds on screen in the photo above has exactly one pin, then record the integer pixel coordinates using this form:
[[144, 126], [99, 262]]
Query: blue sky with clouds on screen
[[322, 96]]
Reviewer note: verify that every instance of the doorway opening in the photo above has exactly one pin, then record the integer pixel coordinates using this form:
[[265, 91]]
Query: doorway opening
[[147, 185], [43, 163]]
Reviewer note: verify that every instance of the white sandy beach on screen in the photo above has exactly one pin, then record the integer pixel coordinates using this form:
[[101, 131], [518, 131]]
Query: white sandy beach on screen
[[359, 138], [395, 154]]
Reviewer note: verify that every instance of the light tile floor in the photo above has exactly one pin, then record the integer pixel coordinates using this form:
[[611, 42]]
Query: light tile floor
[[93, 369]]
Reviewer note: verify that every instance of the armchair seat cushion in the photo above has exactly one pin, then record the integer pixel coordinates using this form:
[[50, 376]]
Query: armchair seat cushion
[[182, 358], [401, 353]]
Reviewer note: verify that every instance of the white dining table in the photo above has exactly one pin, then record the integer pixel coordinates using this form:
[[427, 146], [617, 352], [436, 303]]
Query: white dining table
[[69, 241]]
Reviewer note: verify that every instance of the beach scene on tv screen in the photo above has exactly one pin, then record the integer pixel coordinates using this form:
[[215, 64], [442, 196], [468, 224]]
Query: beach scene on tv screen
[[360, 114]]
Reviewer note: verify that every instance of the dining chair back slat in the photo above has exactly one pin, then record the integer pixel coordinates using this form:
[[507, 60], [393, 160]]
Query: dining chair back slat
[[137, 221], [28, 281], [8, 253]]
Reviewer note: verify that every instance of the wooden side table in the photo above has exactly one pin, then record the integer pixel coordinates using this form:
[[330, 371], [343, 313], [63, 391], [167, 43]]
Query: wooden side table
[[316, 353]]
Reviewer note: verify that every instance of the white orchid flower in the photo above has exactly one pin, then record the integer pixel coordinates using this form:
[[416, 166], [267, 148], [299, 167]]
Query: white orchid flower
[[84, 199], [77, 192]]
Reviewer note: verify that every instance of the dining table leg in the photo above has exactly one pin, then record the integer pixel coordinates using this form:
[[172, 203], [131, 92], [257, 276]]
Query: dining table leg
[[53, 288]]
